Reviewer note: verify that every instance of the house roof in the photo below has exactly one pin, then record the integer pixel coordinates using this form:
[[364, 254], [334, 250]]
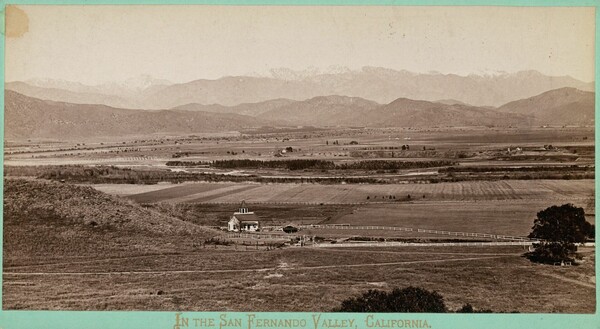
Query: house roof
[[246, 217]]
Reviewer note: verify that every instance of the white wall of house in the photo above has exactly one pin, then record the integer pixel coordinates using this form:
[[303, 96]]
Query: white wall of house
[[233, 225]]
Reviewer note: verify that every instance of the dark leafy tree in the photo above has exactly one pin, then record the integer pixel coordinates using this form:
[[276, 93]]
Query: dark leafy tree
[[559, 228], [410, 299], [562, 224]]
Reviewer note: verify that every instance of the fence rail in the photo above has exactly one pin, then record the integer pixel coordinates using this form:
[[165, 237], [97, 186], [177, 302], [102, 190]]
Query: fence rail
[[419, 230], [260, 236], [416, 244]]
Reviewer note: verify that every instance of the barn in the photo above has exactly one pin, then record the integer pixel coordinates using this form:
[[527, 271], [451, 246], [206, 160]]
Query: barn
[[243, 220]]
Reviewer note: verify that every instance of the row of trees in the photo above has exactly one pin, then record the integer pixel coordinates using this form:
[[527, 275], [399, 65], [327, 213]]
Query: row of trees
[[571, 168], [391, 165], [296, 164], [301, 164], [116, 175]]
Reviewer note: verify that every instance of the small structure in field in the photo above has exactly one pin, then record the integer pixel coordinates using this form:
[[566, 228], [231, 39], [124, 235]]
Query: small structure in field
[[243, 220]]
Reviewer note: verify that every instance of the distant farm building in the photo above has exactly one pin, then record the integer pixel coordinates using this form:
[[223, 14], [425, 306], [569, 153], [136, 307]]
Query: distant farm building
[[243, 220]]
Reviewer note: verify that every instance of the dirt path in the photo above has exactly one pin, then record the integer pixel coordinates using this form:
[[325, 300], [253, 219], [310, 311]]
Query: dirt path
[[320, 267], [562, 278], [98, 260]]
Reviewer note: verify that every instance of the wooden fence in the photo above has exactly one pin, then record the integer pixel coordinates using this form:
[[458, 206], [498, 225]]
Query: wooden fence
[[419, 230], [416, 244]]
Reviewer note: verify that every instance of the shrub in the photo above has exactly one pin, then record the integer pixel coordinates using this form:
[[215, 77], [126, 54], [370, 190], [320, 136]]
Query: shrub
[[410, 299]]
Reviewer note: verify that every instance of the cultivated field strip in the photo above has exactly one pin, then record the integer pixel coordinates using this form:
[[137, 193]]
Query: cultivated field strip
[[130, 189], [200, 197], [175, 191], [567, 190]]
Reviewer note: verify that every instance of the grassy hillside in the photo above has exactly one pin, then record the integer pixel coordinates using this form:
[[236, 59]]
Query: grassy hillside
[[44, 219]]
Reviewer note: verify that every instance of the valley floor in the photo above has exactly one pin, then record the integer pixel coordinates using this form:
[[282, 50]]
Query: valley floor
[[297, 279]]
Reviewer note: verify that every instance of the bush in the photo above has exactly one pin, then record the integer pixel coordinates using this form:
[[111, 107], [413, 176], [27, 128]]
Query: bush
[[290, 229], [552, 252], [410, 299]]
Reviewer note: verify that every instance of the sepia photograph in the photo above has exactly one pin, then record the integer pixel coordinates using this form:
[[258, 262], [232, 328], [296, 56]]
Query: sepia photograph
[[357, 159]]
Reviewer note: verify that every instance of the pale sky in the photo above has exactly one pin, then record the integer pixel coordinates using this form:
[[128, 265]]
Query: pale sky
[[96, 44]]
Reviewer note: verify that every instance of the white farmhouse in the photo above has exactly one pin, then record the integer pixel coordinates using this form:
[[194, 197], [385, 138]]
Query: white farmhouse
[[243, 220]]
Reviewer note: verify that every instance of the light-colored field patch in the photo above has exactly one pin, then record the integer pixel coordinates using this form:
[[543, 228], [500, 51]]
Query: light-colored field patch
[[130, 189], [202, 196], [177, 191]]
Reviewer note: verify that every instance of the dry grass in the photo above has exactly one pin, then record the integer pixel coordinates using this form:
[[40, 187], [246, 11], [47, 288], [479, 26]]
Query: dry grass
[[297, 281]]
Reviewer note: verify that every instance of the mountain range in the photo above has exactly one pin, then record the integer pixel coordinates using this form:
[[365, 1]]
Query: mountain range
[[28, 117], [377, 84]]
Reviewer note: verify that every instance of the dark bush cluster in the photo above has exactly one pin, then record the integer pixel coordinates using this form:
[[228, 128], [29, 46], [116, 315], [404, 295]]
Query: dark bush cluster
[[406, 300], [297, 164], [410, 299], [391, 165]]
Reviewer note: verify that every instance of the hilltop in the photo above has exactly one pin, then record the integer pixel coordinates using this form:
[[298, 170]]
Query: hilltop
[[43, 217], [564, 106]]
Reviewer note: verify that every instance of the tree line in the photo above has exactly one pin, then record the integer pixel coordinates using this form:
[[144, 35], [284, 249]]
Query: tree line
[[302, 164], [116, 175]]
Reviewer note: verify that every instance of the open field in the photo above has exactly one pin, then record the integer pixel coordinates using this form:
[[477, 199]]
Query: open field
[[539, 190], [128, 237], [300, 279], [509, 218], [472, 145]]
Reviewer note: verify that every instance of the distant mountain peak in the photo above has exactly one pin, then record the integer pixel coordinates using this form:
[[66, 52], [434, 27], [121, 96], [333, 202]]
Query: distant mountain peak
[[290, 74]]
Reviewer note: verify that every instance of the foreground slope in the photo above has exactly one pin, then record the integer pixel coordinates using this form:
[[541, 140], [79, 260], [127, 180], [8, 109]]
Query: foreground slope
[[50, 218]]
